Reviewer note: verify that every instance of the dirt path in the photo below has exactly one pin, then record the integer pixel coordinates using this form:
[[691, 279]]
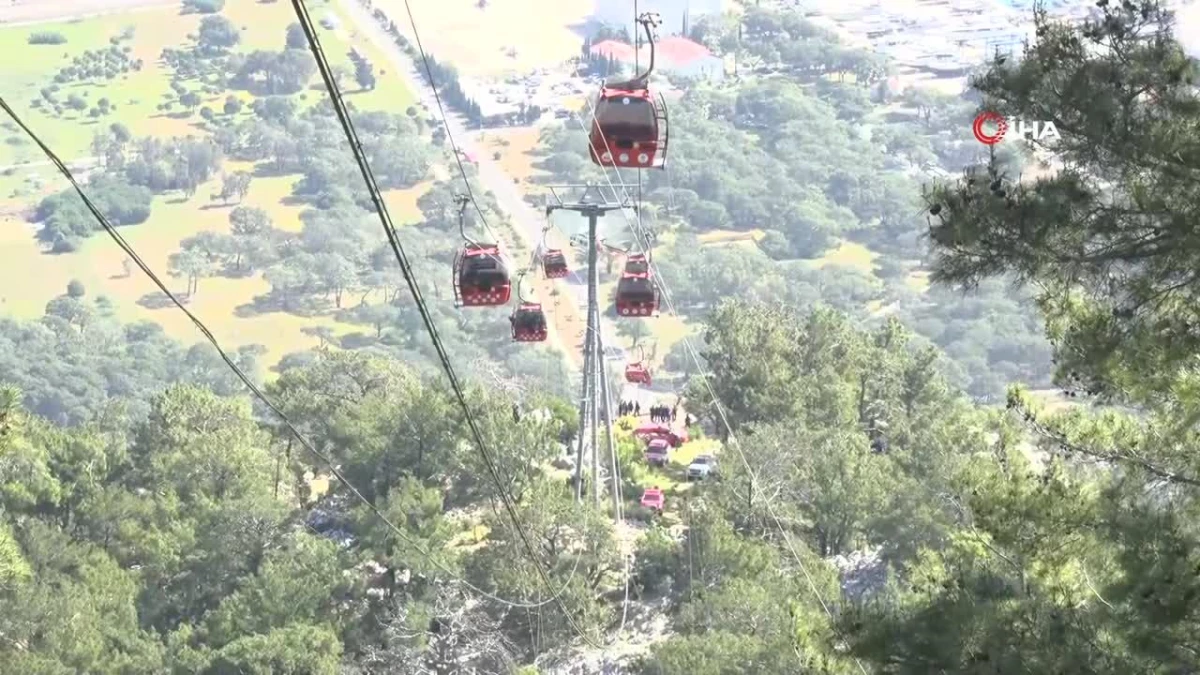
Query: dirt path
[[566, 320]]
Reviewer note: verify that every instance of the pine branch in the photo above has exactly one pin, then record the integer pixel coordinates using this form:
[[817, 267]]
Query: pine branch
[[1065, 446]]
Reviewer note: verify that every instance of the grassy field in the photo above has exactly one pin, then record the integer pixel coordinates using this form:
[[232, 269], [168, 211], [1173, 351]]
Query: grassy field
[[849, 254], [99, 263]]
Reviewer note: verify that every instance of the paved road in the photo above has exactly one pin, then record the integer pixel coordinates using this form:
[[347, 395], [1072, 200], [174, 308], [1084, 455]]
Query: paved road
[[27, 12], [527, 221], [82, 162]]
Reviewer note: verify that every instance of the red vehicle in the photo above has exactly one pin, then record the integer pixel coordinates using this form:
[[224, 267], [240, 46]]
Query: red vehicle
[[629, 123], [653, 431], [653, 499], [658, 450]]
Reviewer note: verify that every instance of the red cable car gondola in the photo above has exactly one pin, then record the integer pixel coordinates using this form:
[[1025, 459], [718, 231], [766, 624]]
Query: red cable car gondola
[[637, 372], [553, 260], [528, 320], [629, 121], [480, 273], [528, 323], [637, 294], [554, 264]]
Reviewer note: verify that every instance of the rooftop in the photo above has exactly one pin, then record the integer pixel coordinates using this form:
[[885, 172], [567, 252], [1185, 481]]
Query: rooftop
[[613, 49], [680, 51], [670, 51]]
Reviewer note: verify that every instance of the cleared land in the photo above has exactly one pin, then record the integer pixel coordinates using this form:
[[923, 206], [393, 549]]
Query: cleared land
[[502, 37], [30, 279], [30, 11]]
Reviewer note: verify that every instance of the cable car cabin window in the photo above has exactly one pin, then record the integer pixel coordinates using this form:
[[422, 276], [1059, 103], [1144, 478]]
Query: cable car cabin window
[[484, 271], [632, 121], [635, 290], [532, 321], [637, 267]]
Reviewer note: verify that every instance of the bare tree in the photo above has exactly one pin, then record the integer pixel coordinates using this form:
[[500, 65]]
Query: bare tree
[[460, 639]]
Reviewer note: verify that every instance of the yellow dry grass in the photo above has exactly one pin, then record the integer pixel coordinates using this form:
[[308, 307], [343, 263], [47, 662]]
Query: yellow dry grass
[[30, 279], [477, 40], [516, 147], [99, 265], [918, 281], [1052, 400], [849, 254], [726, 236]]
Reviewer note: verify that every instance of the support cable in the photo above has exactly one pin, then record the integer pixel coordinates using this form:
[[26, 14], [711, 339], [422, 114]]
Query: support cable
[[241, 375], [462, 170], [666, 295], [385, 219]]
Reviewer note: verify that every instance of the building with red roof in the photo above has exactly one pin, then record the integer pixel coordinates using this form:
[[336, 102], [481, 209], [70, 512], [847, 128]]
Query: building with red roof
[[680, 51], [674, 54], [679, 55], [611, 49]]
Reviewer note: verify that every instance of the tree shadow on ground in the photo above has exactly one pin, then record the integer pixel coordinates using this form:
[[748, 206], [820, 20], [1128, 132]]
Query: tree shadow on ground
[[269, 303], [159, 300], [357, 340], [266, 170]]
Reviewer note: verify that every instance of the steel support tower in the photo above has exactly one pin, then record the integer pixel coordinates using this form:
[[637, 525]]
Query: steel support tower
[[595, 400]]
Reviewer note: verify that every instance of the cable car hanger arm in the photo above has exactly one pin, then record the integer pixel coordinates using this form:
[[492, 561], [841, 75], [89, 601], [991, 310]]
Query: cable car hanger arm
[[462, 201], [648, 20]]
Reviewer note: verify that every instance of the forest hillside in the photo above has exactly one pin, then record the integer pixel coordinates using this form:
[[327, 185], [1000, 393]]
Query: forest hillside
[[156, 518]]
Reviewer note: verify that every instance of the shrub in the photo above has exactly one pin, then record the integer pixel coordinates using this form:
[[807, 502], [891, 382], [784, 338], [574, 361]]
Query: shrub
[[203, 6], [886, 268], [47, 38], [654, 566]]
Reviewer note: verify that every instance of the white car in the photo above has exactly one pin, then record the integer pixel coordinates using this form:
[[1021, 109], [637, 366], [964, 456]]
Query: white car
[[614, 353], [702, 467]]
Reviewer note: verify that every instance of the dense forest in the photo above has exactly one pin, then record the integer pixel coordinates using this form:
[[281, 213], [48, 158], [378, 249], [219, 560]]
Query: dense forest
[[153, 519]]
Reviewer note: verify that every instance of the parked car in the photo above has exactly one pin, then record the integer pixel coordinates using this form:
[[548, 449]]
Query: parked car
[[702, 467], [657, 452], [614, 353], [653, 499]]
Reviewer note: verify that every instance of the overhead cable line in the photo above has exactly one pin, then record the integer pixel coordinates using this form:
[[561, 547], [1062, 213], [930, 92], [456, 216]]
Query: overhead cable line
[[412, 22], [643, 244], [241, 375], [385, 219]]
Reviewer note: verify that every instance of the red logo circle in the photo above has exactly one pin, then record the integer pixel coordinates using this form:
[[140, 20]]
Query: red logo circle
[[984, 137]]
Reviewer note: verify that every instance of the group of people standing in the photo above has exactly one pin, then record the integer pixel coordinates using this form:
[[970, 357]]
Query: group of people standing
[[662, 414], [659, 414]]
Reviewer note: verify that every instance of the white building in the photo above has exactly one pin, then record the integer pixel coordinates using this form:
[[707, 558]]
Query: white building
[[620, 12], [673, 56]]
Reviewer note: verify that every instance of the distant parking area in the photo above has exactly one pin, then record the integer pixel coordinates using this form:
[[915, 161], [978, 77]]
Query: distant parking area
[[557, 92]]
